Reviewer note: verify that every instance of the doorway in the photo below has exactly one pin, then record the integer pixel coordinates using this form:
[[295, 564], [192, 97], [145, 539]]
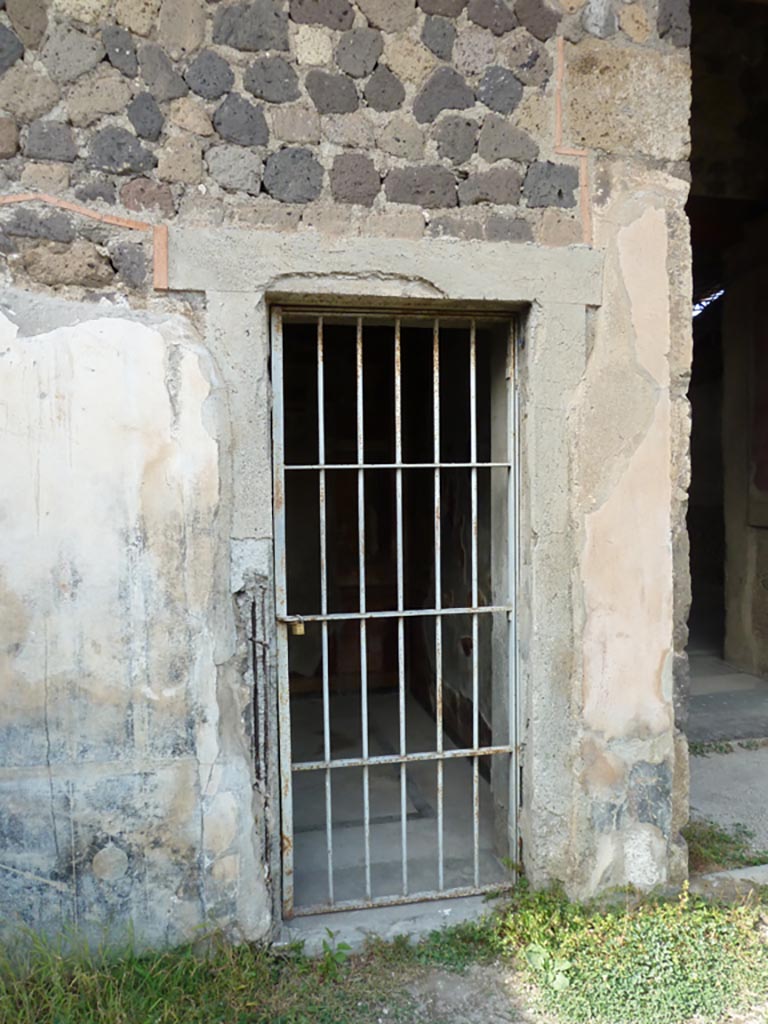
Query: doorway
[[395, 501]]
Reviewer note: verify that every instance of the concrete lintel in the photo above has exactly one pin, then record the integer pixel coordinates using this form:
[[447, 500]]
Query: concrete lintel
[[437, 269]]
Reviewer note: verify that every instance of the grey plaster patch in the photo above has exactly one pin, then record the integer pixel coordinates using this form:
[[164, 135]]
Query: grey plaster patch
[[499, 228], [209, 75], [502, 140], [549, 184], [498, 185], [272, 79], [145, 116], [384, 90], [429, 186], [11, 48], [448, 8], [354, 179], [68, 53], [331, 93], [674, 21], [121, 49], [237, 120], [495, 15], [130, 262], [500, 90], [55, 226], [456, 138], [538, 17], [438, 34], [235, 167], [163, 81], [599, 18], [649, 794], [116, 150], [358, 51], [444, 90], [50, 140], [260, 25], [293, 175], [336, 14]]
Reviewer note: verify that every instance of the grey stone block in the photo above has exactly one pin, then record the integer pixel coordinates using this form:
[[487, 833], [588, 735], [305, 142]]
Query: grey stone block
[[456, 137], [500, 90], [439, 35], [29, 20], [209, 75], [116, 150], [121, 49], [236, 168], [430, 186], [500, 185], [354, 179], [272, 79], [444, 90], [507, 229], [54, 225], [527, 58], [293, 176], [599, 19], [384, 90], [163, 81], [448, 8], [261, 25], [501, 140], [237, 120], [99, 189], [548, 184], [389, 15], [358, 51], [336, 14], [538, 17], [130, 262], [332, 94], [495, 15], [145, 116], [455, 226], [11, 48], [67, 53], [50, 140], [674, 21], [9, 138]]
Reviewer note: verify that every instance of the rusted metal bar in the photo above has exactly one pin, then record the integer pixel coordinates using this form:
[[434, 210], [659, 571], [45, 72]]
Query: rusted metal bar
[[309, 466], [400, 606], [393, 901], [438, 600], [362, 598], [406, 613], [475, 630], [451, 754]]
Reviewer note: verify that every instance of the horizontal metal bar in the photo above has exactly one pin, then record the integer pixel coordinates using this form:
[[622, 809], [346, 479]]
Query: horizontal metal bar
[[410, 613], [298, 313], [398, 465], [426, 755], [393, 901]]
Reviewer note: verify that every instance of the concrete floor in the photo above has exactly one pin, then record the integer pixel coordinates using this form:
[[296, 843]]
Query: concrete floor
[[310, 856], [730, 789], [726, 704]]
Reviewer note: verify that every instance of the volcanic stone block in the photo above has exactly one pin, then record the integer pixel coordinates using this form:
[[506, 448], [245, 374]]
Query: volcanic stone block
[[260, 25], [181, 160], [54, 225], [209, 75], [237, 120], [549, 184], [121, 50], [139, 16], [296, 124], [26, 93], [507, 229], [181, 28], [145, 116], [9, 138], [444, 90], [358, 51], [354, 179], [332, 94], [539, 18], [336, 14], [293, 176], [430, 186], [272, 79], [50, 140], [78, 264], [384, 90], [525, 57], [500, 185], [500, 140], [11, 48], [29, 19], [67, 53], [493, 14], [130, 262], [390, 15], [116, 150], [236, 168], [143, 194], [674, 21], [500, 90], [403, 137], [158, 72], [99, 189], [439, 35], [456, 137], [448, 8]]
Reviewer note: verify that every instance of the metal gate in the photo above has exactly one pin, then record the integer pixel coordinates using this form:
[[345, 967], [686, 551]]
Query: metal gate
[[400, 760]]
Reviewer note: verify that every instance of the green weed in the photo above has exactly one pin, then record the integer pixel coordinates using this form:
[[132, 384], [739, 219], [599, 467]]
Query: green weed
[[712, 848]]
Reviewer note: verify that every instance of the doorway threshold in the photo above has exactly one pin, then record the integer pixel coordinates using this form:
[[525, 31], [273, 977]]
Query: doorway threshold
[[356, 926]]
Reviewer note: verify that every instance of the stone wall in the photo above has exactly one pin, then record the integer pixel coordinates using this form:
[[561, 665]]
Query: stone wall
[[462, 150]]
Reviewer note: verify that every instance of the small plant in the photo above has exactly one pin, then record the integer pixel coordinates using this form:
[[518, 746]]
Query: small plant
[[713, 848], [335, 955], [705, 749]]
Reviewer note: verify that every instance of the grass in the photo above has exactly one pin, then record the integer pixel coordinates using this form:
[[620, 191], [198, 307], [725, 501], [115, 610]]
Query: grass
[[630, 960], [712, 848]]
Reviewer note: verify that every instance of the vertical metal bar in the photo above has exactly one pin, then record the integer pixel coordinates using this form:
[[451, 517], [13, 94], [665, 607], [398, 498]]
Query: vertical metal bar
[[324, 600], [512, 570], [438, 599], [475, 630], [400, 606], [363, 635], [281, 600]]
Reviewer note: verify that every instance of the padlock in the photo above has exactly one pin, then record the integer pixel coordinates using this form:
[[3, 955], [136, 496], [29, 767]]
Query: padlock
[[297, 628]]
